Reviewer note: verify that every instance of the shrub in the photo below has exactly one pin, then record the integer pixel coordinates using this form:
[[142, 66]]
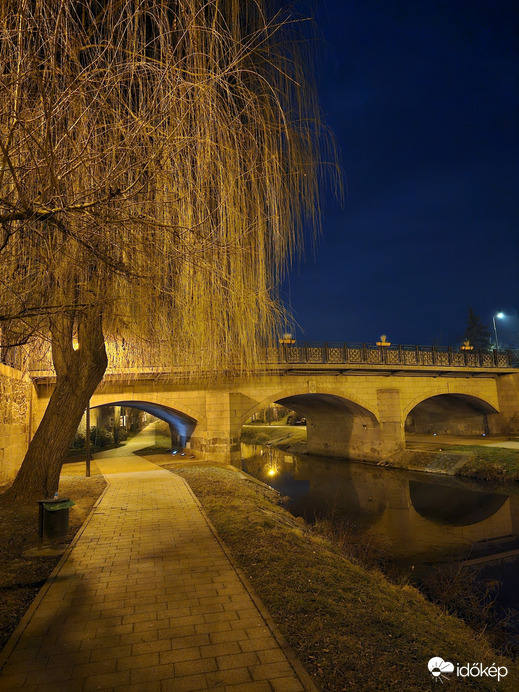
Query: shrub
[[79, 441], [104, 438]]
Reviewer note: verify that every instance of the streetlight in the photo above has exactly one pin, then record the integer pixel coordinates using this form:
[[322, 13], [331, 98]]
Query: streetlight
[[500, 316]]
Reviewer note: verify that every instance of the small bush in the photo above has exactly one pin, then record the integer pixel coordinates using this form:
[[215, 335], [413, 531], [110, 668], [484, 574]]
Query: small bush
[[104, 438], [79, 441]]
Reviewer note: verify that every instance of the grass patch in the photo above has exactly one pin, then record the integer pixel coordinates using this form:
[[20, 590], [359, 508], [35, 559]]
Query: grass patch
[[489, 463], [350, 627], [21, 577], [277, 435]]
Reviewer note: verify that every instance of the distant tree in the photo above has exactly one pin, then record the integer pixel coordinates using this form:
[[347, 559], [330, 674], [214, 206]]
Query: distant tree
[[476, 332]]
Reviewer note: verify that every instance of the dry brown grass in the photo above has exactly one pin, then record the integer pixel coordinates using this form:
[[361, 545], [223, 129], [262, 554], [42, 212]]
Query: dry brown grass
[[21, 577], [350, 627]]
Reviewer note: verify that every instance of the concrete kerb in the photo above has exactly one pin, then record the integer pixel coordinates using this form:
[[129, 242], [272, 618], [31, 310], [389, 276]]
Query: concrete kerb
[[16, 635], [297, 667]]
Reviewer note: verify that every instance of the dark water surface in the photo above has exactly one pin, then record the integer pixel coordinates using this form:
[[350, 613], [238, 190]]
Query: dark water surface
[[420, 520]]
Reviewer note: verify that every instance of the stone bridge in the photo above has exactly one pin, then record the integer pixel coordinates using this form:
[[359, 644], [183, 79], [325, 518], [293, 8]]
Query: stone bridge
[[355, 406]]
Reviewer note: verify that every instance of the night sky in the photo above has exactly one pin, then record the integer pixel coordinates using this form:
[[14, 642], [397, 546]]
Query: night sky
[[422, 96]]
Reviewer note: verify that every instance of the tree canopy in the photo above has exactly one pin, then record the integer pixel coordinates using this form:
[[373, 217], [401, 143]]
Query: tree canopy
[[158, 159], [477, 333]]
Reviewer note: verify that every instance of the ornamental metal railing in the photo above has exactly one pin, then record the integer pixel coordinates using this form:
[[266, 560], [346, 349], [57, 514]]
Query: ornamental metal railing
[[309, 352], [399, 355]]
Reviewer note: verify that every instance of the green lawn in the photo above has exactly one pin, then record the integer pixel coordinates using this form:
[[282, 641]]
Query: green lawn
[[489, 463]]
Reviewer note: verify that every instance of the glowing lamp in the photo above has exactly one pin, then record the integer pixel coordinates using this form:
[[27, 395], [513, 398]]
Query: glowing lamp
[[499, 316]]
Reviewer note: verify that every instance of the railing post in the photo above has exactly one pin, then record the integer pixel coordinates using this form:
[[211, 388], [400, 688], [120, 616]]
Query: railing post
[[364, 353], [346, 352], [325, 352], [417, 351], [433, 354], [400, 354], [306, 351], [449, 358]]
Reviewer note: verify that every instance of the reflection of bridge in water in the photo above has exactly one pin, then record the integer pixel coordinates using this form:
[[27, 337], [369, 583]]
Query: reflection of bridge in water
[[358, 400], [420, 517]]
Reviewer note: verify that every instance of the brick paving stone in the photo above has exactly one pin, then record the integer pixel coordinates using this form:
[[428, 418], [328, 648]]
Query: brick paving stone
[[232, 676], [146, 599]]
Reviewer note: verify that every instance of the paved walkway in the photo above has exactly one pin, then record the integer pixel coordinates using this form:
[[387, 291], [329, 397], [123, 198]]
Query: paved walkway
[[147, 599]]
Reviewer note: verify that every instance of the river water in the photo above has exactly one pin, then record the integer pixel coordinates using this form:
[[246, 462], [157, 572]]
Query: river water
[[421, 520]]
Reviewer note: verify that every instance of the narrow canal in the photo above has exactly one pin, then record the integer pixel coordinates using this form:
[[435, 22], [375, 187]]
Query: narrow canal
[[419, 521]]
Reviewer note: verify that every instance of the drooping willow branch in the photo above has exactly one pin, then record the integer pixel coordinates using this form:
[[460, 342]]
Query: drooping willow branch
[[158, 158]]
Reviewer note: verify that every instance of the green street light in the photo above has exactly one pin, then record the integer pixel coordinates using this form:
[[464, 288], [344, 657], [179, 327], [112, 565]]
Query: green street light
[[500, 316]]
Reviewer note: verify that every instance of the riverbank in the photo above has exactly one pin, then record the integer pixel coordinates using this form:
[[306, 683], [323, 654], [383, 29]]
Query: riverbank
[[350, 627], [483, 462], [290, 438], [479, 462]]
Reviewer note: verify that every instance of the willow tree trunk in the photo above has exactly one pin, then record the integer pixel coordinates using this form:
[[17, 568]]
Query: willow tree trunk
[[78, 373]]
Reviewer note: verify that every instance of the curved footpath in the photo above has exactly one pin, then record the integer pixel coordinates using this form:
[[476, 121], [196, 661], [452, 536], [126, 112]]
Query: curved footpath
[[146, 598]]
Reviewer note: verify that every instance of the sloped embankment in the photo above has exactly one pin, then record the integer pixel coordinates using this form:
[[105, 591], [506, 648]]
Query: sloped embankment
[[470, 461], [350, 627]]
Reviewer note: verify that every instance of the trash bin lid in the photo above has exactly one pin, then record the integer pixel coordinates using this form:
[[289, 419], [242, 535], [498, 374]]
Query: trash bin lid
[[53, 504]]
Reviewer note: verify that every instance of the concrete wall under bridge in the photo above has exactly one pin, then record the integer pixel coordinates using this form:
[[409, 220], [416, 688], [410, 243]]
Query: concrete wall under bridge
[[358, 414]]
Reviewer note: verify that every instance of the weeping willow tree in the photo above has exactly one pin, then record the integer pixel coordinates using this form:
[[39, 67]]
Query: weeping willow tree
[[158, 160]]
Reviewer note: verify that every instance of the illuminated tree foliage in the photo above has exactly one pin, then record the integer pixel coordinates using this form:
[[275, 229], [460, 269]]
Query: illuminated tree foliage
[[158, 159]]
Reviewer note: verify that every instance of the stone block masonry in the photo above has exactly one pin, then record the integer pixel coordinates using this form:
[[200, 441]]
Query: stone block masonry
[[15, 399]]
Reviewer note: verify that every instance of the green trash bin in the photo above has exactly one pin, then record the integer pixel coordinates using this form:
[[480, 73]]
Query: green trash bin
[[53, 518]]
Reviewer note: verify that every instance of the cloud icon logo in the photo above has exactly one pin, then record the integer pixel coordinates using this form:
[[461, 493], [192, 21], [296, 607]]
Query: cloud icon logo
[[438, 667]]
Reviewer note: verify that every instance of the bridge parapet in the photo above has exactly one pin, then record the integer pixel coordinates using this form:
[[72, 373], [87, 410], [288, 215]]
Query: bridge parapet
[[328, 354], [403, 355]]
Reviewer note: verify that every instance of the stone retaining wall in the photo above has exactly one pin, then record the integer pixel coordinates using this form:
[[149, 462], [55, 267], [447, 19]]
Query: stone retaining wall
[[15, 398]]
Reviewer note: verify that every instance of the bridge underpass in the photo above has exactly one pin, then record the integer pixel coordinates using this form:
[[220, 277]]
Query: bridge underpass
[[450, 414], [341, 428], [181, 426], [336, 426], [109, 423]]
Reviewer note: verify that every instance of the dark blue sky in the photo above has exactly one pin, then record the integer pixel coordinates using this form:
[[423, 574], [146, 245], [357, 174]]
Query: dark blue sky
[[422, 96]]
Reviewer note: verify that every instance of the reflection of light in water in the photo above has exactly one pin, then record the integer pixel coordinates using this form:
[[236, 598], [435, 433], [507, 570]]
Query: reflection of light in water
[[447, 519]]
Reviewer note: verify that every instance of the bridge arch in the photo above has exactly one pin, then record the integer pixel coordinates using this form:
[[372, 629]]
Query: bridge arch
[[452, 413], [337, 425], [336, 394], [181, 424]]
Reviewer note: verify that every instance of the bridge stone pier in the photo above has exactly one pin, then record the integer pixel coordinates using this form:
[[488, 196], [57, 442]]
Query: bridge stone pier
[[358, 412]]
